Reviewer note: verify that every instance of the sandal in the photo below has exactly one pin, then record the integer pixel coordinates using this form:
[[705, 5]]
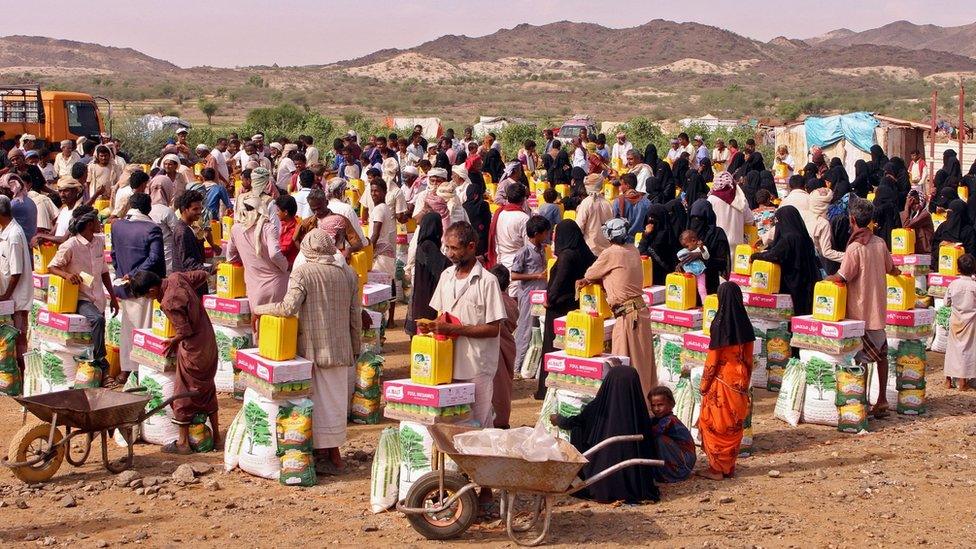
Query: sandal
[[172, 448], [880, 411]]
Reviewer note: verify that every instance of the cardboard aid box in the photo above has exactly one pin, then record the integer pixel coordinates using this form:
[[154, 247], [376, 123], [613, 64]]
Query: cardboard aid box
[[843, 329], [63, 328], [149, 350], [275, 379], [938, 283], [579, 374], [686, 319], [538, 300], [911, 317], [741, 280], [374, 294], [654, 295], [406, 400], [40, 286], [695, 345], [231, 313]]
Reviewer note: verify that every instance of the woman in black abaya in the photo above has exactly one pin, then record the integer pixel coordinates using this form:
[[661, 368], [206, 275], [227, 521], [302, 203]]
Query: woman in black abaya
[[430, 262], [619, 408], [862, 179], [792, 249], [703, 222], [956, 229], [660, 245], [573, 258], [887, 215]]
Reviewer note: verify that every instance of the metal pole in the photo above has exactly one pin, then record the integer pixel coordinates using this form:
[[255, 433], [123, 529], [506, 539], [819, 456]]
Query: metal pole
[[935, 98], [962, 121]]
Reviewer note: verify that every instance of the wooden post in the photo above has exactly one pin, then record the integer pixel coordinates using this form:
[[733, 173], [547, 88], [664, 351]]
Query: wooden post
[[931, 183]]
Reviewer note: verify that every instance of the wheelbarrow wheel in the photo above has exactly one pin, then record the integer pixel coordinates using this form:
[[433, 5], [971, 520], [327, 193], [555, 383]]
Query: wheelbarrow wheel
[[29, 443], [450, 523]]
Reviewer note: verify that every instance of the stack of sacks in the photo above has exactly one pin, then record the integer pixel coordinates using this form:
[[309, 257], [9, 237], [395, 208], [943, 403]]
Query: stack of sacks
[[372, 337], [271, 438], [428, 404], [365, 406], [11, 379], [158, 428], [852, 399], [678, 314], [416, 452], [774, 353], [820, 395], [229, 342], [940, 337], [906, 363], [566, 403], [668, 350], [579, 374]]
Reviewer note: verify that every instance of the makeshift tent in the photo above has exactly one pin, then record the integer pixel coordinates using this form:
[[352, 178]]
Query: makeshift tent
[[849, 137], [490, 124], [431, 126]]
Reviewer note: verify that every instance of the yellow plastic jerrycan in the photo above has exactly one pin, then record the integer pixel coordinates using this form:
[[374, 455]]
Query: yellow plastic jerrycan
[[362, 262], [949, 255], [230, 281], [593, 301], [570, 215], [765, 277], [617, 164], [647, 271], [563, 190], [752, 235], [680, 291], [902, 242], [101, 204], [549, 263], [353, 196], [62, 296], [490, 191], [901, 292], [431, 360], [782, 171], [107, 231], [278, 337], [829, 301], [742, 260], [638, 237], [488, 180], [611, 191], [161, 325], [43, 255], [226, 224], [963, 192], [584, 334], [709, 310]]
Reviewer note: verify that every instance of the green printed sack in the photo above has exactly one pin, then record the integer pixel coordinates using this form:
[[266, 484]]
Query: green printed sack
[[200, 434], [11, 381]]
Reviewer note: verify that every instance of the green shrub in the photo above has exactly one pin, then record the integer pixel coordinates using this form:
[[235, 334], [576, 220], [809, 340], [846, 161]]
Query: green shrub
[[513, 135]]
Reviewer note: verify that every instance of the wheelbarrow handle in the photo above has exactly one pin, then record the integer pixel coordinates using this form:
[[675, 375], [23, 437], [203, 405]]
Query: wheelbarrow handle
[[612, 440], [168, 401], [611, 470], [136, 389]]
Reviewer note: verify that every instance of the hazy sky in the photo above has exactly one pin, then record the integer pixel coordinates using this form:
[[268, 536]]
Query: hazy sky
[[302, 32]]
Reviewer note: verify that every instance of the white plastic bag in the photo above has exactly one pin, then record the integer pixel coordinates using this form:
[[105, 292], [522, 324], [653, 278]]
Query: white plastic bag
[[789, 402], [528, 443], [386, 471]]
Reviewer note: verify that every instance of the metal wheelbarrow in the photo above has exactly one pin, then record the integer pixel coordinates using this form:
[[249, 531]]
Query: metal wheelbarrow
[[37, 449], [443, 504]]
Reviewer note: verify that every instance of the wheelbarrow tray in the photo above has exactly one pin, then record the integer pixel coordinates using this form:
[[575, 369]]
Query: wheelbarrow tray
[[87, 409], [508, 473]]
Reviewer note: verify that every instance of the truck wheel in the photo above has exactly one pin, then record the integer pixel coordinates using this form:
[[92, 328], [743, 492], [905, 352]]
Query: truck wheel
[[449, 523]]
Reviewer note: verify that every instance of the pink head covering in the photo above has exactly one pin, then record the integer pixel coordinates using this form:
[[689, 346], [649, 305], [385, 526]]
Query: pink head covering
[[16, 185], [723, 187], [161, 190]]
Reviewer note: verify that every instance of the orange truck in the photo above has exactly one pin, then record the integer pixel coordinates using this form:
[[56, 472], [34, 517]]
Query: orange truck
[[51, 116]]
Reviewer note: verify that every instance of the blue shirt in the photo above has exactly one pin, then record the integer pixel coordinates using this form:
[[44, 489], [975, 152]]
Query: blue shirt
[[550, 212], [25, 212], [636, 214], [213, 197]]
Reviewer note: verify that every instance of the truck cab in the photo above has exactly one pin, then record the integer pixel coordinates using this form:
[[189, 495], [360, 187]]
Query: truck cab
[[52, 116]]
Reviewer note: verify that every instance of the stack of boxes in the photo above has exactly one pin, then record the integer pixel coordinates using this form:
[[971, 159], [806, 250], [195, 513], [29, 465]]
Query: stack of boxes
[[907, 326], [835, 389], [948, 269], [62, 336], [670, 321], [274, 370], [230, 313]]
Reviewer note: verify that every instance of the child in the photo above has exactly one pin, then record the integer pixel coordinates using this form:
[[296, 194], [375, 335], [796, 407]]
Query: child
[[960, 358], [550, 210], [671, 438], [691, 259], [382, 233], [501, 396], [287, 210], [529, 269]]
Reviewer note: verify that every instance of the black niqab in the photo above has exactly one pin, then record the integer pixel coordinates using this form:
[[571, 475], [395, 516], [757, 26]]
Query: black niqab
[[731, 325], [650, 157], [479, 215], [429, 265], [887, 215], [703, 222], [755, 162], [661, 246], [737, 161], [619, 408], [957, 228], [862, 179], [792, 249]]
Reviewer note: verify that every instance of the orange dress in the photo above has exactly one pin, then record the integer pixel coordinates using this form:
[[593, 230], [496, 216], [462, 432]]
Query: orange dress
[[725, 404]]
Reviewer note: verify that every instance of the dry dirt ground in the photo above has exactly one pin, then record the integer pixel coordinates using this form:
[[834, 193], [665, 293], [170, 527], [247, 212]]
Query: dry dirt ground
[[908, 482]]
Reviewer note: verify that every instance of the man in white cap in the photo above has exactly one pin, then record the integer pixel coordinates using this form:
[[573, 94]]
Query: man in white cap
[[201, 151], [352, 143], [620, 148], [701, 153], [286, 167], [259, 148], [409, 176], [27, 142], [182, 147], [65, 159], [674, 153]]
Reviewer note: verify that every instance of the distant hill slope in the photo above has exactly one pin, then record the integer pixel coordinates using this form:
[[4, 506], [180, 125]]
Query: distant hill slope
[[37, 52], [905, 34]]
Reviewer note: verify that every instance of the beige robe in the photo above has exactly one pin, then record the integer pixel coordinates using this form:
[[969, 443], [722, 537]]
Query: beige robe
[[960, 358], [619, 270]]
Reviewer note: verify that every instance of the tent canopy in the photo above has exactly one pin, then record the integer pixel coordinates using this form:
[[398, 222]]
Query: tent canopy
[[856, 127]]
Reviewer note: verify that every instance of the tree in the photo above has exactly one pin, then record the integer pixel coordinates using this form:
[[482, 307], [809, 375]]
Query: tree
[[209, 108]]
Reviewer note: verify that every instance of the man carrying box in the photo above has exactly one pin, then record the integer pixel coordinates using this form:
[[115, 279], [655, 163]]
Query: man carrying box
[[863, 269], [471, 294], [80, 260]]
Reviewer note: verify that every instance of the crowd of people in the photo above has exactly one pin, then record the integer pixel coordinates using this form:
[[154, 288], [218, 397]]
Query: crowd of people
[[478, 251]]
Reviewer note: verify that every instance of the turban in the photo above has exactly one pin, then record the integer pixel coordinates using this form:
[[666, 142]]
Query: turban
[[615, 230], [722, 181], [68, 183], [337, 186], [171, 158], [318, 247], [437, 172], [411, 170], [461, 172], [593, 182]]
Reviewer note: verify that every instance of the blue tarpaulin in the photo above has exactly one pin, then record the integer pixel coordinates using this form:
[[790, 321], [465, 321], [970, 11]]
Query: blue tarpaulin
[[856, 127]]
